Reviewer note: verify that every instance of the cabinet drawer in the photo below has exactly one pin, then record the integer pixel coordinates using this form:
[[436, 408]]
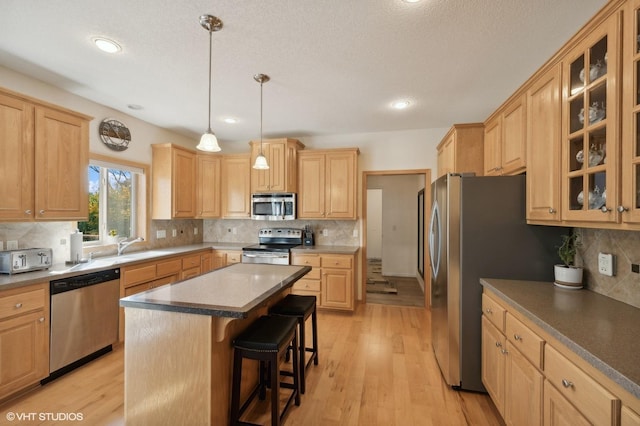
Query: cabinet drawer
[[337, 262], [312, 260], [596, 403], [234, 257], [190, 273], [306, 284], [306, 293], [493, 311], [313, 274], [168, 267], [17, 304], [138, 274], [527, 342], [191, 261]]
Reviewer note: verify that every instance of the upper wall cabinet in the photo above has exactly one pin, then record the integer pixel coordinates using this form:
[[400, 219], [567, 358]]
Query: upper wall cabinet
[[505, 139], [543, 145], [45, 156], [282, 157], [327, 184], [235, 189], [208, 175], [590, 126], [461, 150], [173, 182], [629, 207]]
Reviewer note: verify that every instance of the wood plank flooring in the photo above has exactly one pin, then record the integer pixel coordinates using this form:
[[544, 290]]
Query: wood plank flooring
[[409, 293], [376, 368]]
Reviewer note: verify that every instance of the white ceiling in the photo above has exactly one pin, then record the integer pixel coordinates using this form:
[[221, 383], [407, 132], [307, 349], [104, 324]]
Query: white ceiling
[[335, 65]]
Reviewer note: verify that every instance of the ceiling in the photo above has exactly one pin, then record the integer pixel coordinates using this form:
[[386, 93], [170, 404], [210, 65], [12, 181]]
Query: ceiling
[[335, 65]]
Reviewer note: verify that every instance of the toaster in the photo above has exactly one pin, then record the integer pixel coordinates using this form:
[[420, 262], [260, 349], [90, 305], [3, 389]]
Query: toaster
[[25, 260]]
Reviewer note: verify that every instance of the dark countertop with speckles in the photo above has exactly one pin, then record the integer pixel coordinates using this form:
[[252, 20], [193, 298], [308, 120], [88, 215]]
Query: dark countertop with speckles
[[601, 330]]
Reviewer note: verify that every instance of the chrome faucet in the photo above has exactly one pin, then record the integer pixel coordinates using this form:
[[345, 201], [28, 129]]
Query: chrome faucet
[[124, 243]]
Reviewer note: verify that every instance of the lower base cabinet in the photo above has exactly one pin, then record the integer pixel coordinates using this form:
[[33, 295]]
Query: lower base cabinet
[[532, 383], [24, 337], [330, 279]]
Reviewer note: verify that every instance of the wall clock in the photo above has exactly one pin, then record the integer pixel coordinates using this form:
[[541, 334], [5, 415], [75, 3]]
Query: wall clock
[[114, 134]]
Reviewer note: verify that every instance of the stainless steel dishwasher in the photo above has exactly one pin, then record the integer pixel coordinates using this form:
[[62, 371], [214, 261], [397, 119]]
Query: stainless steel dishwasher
[[84, 319]]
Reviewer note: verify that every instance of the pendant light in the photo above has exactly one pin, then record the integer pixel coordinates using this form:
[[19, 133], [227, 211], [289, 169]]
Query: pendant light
[[261, 160], [208, 141]]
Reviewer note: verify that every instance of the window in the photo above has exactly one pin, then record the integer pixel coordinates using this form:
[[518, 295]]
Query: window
[[117, 207]]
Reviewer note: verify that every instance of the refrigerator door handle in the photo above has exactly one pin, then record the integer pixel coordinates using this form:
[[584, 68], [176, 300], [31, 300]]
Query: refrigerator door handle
[[435, 239]]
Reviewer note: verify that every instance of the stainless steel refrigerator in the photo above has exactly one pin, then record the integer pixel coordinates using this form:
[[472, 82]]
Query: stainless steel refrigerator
[[478, 230]]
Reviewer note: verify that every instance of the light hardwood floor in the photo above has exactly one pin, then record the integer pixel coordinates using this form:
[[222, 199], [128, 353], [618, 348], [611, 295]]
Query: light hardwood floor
[[376, 368]]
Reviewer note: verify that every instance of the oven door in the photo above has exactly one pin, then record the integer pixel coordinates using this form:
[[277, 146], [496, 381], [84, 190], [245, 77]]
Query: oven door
[[271, 258]]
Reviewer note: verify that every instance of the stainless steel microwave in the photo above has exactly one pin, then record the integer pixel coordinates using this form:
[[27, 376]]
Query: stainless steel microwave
[[276, 206]]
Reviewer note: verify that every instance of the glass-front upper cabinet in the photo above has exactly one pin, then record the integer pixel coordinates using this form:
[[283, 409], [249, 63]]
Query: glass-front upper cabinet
[[629, 207], [590, 130]]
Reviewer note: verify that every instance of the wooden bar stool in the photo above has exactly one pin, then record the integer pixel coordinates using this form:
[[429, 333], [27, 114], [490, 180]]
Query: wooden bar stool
[[266, 340], [301, 307]]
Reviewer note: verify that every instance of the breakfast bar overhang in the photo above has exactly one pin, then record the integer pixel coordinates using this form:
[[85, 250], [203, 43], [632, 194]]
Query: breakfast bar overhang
[[179, 341]]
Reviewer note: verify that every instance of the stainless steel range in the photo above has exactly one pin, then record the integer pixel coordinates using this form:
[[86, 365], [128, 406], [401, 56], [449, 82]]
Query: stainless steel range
[[274, 247]]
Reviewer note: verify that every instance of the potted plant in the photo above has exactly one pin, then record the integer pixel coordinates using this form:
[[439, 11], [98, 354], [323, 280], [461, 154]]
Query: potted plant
[[113, 237], [567, 275]]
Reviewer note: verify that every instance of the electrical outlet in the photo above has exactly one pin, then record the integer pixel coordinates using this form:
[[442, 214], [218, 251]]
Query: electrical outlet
[[325, 232], [161, 233], [12, 245], [174, 233], [605, 264], [63, 241], [355, 233], [235, 231], [195, 231]]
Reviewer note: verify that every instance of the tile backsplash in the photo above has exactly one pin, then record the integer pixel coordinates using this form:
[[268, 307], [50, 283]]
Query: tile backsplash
[[40, 235], [625, 245]]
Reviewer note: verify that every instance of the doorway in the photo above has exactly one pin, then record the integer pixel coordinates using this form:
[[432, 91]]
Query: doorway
[[392, 259]]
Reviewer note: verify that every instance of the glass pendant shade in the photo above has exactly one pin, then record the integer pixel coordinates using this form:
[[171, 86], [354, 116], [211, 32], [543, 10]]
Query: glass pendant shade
[[261, 163], [208, 142]]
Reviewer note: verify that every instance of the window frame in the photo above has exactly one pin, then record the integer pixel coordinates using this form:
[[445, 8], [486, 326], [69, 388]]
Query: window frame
[[141, 195]]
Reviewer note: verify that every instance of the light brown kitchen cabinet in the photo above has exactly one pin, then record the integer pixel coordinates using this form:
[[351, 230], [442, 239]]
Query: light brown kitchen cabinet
[[327, 184], [543, 136], [145, 276], [629, 206], [236, 186], [558, 411], [461, 150], [191, 266], [45, 161], [173, 182], [282, 157], [330, 279], [208, 203], [629, 417], [222, 258], [590, 126], [206, 262], [24, 337], [505, 139], [493, 365]]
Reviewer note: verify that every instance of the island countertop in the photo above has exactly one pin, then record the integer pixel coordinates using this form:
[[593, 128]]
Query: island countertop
[[232, 292]]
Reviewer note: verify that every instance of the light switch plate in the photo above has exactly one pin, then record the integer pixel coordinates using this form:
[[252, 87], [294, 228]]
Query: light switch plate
[[195, 231], [161, 233], [174, 233], [605, 264]]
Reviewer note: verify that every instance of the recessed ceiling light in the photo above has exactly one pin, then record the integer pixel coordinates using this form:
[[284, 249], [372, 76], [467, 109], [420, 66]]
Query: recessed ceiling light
[[107, 45], [400, 104], [230, 120], [135, 107], [411, 1]]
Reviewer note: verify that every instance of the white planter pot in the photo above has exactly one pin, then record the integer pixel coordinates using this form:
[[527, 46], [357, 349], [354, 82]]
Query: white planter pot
[[568, 276]]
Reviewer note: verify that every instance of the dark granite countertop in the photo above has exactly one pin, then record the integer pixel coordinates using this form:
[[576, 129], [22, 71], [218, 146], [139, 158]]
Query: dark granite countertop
[[601, 330], [233, 291]]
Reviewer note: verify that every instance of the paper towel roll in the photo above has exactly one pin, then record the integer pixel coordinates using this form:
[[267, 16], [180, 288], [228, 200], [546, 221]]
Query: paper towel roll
[[76, 246]]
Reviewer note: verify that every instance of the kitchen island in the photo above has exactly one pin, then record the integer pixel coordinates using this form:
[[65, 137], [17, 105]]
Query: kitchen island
[[179, 341]]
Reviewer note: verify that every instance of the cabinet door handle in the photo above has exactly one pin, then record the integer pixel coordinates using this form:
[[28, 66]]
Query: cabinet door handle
[[552, 210], [41, 212], [27, 212], [622, 209], [18, 305], [605, 209], [41, 319], [498, 344], [517, 337], [504, 351], [566, 383], [488, 310]]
